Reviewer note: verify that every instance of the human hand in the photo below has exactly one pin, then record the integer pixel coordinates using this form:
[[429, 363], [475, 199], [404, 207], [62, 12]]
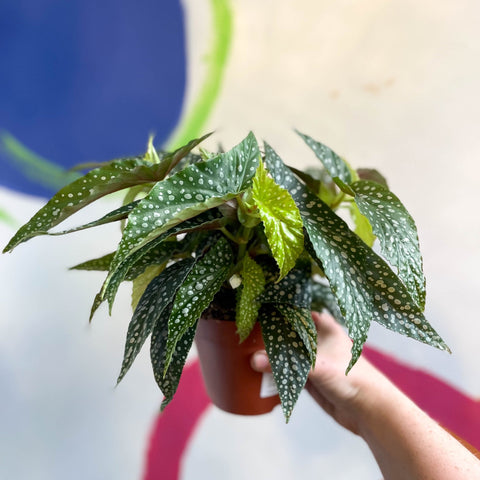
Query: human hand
[[341, 396]]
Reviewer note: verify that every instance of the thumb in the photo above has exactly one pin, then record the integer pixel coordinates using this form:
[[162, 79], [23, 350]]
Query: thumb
[[259, 361]]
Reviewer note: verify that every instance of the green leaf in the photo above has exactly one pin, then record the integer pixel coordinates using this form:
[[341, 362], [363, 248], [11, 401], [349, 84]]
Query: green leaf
[[97, 264], [281, 220], [131, 264], [170, 160], [373, 175], [197, 292], [294, 289], [112, 177], [335, 165], [151, 306], [141, 282], [323, 298], [189, 192], [362, 226], [287, 354], [253, 282], [364, 285], [396, 231], [168, 382], [302, 322], [108, 178], [117, 214]]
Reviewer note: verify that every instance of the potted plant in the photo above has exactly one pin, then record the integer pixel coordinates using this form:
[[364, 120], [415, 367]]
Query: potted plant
[[240, 235]]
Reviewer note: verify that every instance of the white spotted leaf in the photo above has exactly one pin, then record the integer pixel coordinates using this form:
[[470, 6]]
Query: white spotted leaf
[[364, 285], [168, 381], [120, 213], [396, 231], [197, 292], [96, 264], [131, 264], [253, 283], [109, 177], [333, 163], [281, 220], [189, 192], [158, 295], [294, 289], [287, 354], [302, 322], [324, 299]]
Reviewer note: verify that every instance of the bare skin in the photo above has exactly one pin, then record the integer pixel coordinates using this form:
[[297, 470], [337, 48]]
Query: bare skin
[[406, 443]]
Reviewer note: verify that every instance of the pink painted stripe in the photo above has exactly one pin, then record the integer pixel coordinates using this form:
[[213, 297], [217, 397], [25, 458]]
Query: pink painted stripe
[[174, 427], [448, 406]]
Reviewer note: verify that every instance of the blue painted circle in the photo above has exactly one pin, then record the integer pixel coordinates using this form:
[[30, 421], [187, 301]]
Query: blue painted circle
[[88, 80]]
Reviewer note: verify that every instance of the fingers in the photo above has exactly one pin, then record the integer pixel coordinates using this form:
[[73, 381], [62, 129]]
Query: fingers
[[325, 323], [259, 361]]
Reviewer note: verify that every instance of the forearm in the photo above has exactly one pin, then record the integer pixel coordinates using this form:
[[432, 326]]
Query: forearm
[[408, 444]]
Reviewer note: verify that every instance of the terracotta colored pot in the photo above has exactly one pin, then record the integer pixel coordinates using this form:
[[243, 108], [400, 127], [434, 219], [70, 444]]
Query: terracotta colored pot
[[225, 363]]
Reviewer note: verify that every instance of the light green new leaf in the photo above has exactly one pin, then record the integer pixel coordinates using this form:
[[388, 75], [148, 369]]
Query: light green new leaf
[[302, 322], [188, 193], [287, 354], [281, 220], [362, 226], [155, 300], [396, 231], [334, 164], [197, 292], [365, 286], [253, 282]]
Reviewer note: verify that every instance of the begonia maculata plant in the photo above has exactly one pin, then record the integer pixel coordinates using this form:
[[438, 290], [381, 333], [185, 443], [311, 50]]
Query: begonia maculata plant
[[197, 225]]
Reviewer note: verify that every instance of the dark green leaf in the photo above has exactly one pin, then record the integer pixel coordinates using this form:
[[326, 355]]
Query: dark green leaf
[[112, 177], [294, 289], [197, 292], [151, 306], [118, 273], [396, 231], [334, 164], [97, 264], [108, 178], [288, 356], [253, 282], [365, 286], [117, 214], [373, 175], [168, 382], [302, 322], [170, 160], [189, 192], [323, 298]]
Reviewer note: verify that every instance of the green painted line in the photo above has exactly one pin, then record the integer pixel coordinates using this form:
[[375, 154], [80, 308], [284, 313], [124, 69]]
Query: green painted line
[[7, 218], [192, 126], [34, 167]]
